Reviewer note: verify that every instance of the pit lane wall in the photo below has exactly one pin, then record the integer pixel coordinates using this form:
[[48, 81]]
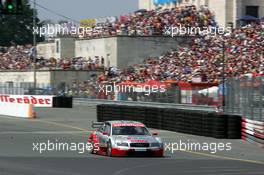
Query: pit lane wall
[[196, 122]]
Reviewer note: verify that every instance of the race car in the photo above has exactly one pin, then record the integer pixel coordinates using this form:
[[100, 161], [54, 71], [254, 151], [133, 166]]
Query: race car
[[125, 138]]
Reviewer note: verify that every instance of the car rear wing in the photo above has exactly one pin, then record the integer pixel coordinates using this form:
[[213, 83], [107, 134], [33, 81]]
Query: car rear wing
[[97, 124]]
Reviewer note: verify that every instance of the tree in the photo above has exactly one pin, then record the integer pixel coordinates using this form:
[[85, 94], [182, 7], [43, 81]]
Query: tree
[[18, 28]]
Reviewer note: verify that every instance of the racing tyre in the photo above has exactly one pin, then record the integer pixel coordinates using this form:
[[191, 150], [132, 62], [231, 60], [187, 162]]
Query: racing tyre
[[109, 149]]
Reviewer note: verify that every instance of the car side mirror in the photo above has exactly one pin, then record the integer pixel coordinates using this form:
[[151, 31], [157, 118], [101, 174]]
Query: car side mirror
[[105, 133], [155, 134]]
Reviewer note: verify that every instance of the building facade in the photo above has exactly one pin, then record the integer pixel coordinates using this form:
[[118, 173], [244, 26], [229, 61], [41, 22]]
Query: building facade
[[52, 78], [120, 51], [57, 48]]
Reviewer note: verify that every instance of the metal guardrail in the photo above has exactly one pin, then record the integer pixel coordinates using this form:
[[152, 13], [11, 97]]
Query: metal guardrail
[[84, 101]]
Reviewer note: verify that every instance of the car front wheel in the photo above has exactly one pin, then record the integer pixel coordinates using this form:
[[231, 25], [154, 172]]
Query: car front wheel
[[109, 149]]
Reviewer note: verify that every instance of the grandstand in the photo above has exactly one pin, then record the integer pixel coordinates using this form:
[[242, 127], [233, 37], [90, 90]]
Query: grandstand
[[117, 41], [201, 59], [226, 11]]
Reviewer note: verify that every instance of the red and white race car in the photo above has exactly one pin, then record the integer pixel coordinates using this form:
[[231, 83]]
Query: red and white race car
[[125, 138]]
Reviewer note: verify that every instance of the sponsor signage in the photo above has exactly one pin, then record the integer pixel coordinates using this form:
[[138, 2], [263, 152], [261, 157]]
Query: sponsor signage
[[128, 124], [161, 2], [36, 100], [88, 22]]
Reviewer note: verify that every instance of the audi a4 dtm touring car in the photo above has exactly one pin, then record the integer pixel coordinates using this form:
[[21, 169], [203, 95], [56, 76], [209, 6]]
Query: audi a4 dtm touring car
[[125, 138]]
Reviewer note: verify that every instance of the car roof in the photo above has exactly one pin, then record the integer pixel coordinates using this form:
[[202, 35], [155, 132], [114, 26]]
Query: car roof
[[123, 122]]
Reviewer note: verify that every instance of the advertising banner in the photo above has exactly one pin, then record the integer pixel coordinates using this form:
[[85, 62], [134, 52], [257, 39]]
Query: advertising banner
[[87, 22], [36, 100]]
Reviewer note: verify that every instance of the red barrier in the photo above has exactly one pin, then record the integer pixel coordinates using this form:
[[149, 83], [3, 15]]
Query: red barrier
[[253, 131]]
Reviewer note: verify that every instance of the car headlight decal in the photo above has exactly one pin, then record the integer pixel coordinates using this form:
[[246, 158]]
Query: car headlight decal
[[156, 144]]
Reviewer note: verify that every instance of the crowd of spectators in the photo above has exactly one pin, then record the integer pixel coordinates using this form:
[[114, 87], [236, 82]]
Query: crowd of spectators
[[203, 60], [241, 51], [148, 23], [139, 23], [14, 58], [85, 89], [18, 58], [79, 63]]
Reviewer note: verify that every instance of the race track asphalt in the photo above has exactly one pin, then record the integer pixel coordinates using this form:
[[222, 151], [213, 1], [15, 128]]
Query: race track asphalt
[[17, 156]]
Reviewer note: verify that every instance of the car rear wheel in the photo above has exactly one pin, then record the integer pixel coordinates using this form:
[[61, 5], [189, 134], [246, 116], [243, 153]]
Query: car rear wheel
[[109, 149]]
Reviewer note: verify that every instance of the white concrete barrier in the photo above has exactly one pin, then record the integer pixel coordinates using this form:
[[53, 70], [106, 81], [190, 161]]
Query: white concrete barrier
[[17, 110]]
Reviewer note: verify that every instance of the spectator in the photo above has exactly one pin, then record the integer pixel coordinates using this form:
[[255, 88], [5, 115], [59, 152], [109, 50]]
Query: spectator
[[17, 58], [202, 60]]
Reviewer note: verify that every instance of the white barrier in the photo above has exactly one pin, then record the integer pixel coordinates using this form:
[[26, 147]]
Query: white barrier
[[253, 122], [17, 110]]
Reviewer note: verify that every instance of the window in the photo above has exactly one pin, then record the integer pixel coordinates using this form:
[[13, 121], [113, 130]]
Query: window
[[102, 129], [129, 130], [108, 128], [252, 11], [57, 47]]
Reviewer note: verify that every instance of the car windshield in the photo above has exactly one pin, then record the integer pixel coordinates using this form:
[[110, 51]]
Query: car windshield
[[130, 130]]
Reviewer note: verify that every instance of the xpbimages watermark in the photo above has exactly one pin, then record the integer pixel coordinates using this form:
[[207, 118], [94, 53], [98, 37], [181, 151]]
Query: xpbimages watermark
[[193, 31], [58, 29], [117, 88], [53, 146], [169, 147], [212, 147]]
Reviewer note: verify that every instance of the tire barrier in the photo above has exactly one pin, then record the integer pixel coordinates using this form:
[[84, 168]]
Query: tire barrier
[[253, 132], [62, 102], [194, 122]]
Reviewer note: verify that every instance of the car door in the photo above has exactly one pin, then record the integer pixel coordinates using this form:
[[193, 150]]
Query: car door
[[103, 138], [107, 132], [100, 135]]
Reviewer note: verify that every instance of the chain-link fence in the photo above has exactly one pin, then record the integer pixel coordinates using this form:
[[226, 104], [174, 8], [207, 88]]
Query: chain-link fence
[[195, 94], [245, 97], [26, 88], [242, 96]]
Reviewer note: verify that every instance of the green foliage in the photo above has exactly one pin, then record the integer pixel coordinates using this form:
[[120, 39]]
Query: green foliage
[[18, 28]]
